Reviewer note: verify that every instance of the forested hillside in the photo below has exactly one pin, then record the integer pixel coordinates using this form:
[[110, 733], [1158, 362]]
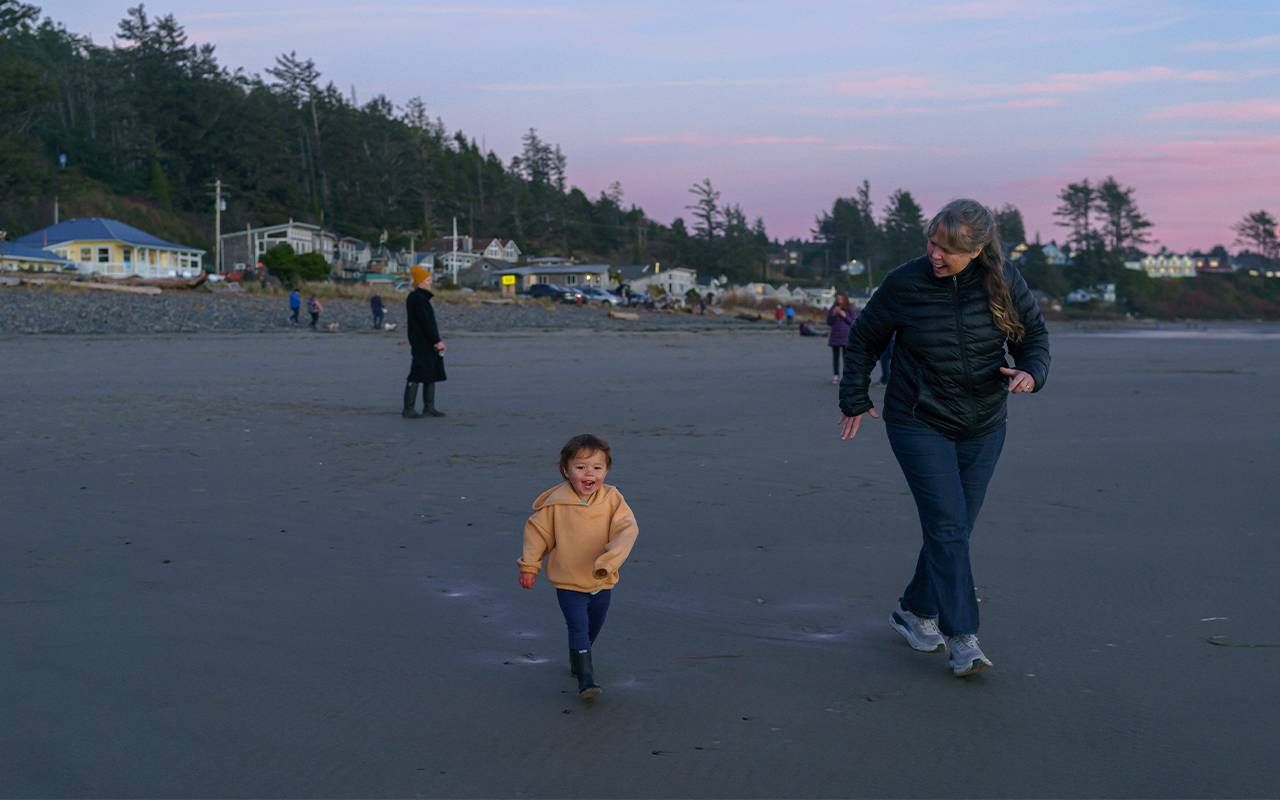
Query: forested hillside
[[149, 124]]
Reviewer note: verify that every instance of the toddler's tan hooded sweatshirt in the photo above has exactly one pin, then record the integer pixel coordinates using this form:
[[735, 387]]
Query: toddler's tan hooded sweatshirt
[[587, 540]]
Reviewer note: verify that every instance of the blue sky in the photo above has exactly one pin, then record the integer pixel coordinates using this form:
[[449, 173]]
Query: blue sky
[[787, 105]]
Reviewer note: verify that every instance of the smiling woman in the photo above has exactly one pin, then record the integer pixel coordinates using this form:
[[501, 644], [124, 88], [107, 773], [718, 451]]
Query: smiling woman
[[955, 314]]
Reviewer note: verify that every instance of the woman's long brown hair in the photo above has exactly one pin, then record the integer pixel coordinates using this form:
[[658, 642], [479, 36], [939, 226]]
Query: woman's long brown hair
[[967, 225]]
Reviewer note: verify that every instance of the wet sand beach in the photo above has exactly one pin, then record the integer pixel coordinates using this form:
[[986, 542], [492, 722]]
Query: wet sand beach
[[229, 568]]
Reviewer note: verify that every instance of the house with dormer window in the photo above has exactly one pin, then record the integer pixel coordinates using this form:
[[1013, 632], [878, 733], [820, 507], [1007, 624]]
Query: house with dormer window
[[497, 249]]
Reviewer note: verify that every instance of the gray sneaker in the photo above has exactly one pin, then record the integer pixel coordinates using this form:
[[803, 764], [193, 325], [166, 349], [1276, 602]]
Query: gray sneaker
[[920, 632], [964, 656]]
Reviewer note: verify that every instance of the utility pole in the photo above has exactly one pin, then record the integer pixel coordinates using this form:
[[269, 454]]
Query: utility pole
[[62, 166], [217, 226], [453, 264]]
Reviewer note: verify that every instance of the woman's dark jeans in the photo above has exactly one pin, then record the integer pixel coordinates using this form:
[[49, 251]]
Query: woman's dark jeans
[[837, 357], [948, 479], [584, 614]]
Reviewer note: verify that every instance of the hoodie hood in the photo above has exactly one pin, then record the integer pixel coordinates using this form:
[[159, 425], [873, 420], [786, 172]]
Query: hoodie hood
[[562, 494]]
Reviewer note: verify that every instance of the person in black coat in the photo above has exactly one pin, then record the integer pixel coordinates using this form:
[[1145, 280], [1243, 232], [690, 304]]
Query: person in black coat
[[375, 306], [957, 315], [427, 348]]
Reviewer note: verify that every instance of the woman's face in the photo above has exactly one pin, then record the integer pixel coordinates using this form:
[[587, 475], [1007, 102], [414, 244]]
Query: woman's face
[[947, 262]]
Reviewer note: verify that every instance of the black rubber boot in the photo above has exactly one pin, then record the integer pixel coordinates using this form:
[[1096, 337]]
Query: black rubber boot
[[573, 667], [410, 400], [580, 663], [429, 402]]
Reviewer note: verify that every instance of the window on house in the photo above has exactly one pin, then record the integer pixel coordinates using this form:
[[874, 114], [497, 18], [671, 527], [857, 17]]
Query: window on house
[[128, 255], [86, 253], [104, 255]]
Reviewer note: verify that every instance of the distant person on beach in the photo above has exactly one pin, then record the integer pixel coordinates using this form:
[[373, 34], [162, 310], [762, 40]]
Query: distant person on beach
[[375, 305], [840, 319], [585, 530], [426, 346], [791, 314], [314, 308], [295, 305], [807, 329], [945, 409], [779, 315]]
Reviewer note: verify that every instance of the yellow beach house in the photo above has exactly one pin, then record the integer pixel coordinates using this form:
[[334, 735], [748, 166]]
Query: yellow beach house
[[112, 248]]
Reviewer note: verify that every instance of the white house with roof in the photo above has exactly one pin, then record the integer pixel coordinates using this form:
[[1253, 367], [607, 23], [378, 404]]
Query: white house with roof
[[455, 261], [497, 249], [820, 297], [674, 281], [1054, 256], [1165, 265], [110, 247], [242, 249], [354, 254]]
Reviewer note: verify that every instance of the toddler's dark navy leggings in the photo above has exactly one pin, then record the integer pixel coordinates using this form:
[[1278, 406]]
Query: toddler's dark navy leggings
[[584, 615]]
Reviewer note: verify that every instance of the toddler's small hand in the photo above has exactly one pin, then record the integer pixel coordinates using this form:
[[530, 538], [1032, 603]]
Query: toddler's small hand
[[527, 579]]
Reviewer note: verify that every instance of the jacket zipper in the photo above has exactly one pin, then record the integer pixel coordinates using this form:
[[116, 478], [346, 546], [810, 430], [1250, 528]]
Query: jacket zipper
[[964, 351]]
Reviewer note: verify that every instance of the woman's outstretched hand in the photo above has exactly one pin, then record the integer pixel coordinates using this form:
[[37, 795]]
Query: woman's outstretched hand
[[1019, 381], [849, 425]]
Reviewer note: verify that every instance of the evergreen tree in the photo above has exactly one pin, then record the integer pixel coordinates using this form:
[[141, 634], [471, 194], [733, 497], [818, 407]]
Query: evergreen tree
[[706, 210], [1123, 225], [1078, 201], [1009, 225], [1257, 230], [903, 228]]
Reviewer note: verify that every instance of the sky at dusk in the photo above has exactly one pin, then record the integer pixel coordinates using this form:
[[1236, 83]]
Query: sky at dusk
[[787, 105]]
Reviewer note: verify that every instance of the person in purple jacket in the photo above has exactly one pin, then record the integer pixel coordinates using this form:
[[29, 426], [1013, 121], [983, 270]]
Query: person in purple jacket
[[840, 319]]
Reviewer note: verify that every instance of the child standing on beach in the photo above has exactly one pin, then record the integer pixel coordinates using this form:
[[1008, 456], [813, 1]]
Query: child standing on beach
[[586, 530]]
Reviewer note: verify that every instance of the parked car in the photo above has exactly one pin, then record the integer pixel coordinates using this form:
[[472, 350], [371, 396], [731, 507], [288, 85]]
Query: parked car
[[545, 290], [594, 294], [555, 292]]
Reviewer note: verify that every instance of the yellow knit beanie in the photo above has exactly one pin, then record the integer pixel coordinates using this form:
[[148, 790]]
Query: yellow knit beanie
[[418, 272]]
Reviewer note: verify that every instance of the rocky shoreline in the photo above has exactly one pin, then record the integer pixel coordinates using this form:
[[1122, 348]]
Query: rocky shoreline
[[69, 311], [25, 310]]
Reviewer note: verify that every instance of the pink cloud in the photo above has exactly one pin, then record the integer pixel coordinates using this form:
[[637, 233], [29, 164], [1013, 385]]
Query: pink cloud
[[702, 140], [1015, 105], [1082, 82], [1257, 43], [910, 85], [1229, 111], [1087, 81], [856, 147], [885, 112]]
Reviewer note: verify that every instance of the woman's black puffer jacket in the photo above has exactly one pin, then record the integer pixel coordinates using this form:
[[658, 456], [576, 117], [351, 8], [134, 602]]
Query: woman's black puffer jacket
[[948, 352]]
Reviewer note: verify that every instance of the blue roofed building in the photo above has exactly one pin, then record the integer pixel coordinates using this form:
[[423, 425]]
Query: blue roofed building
[[15, 257], [112, 248]]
